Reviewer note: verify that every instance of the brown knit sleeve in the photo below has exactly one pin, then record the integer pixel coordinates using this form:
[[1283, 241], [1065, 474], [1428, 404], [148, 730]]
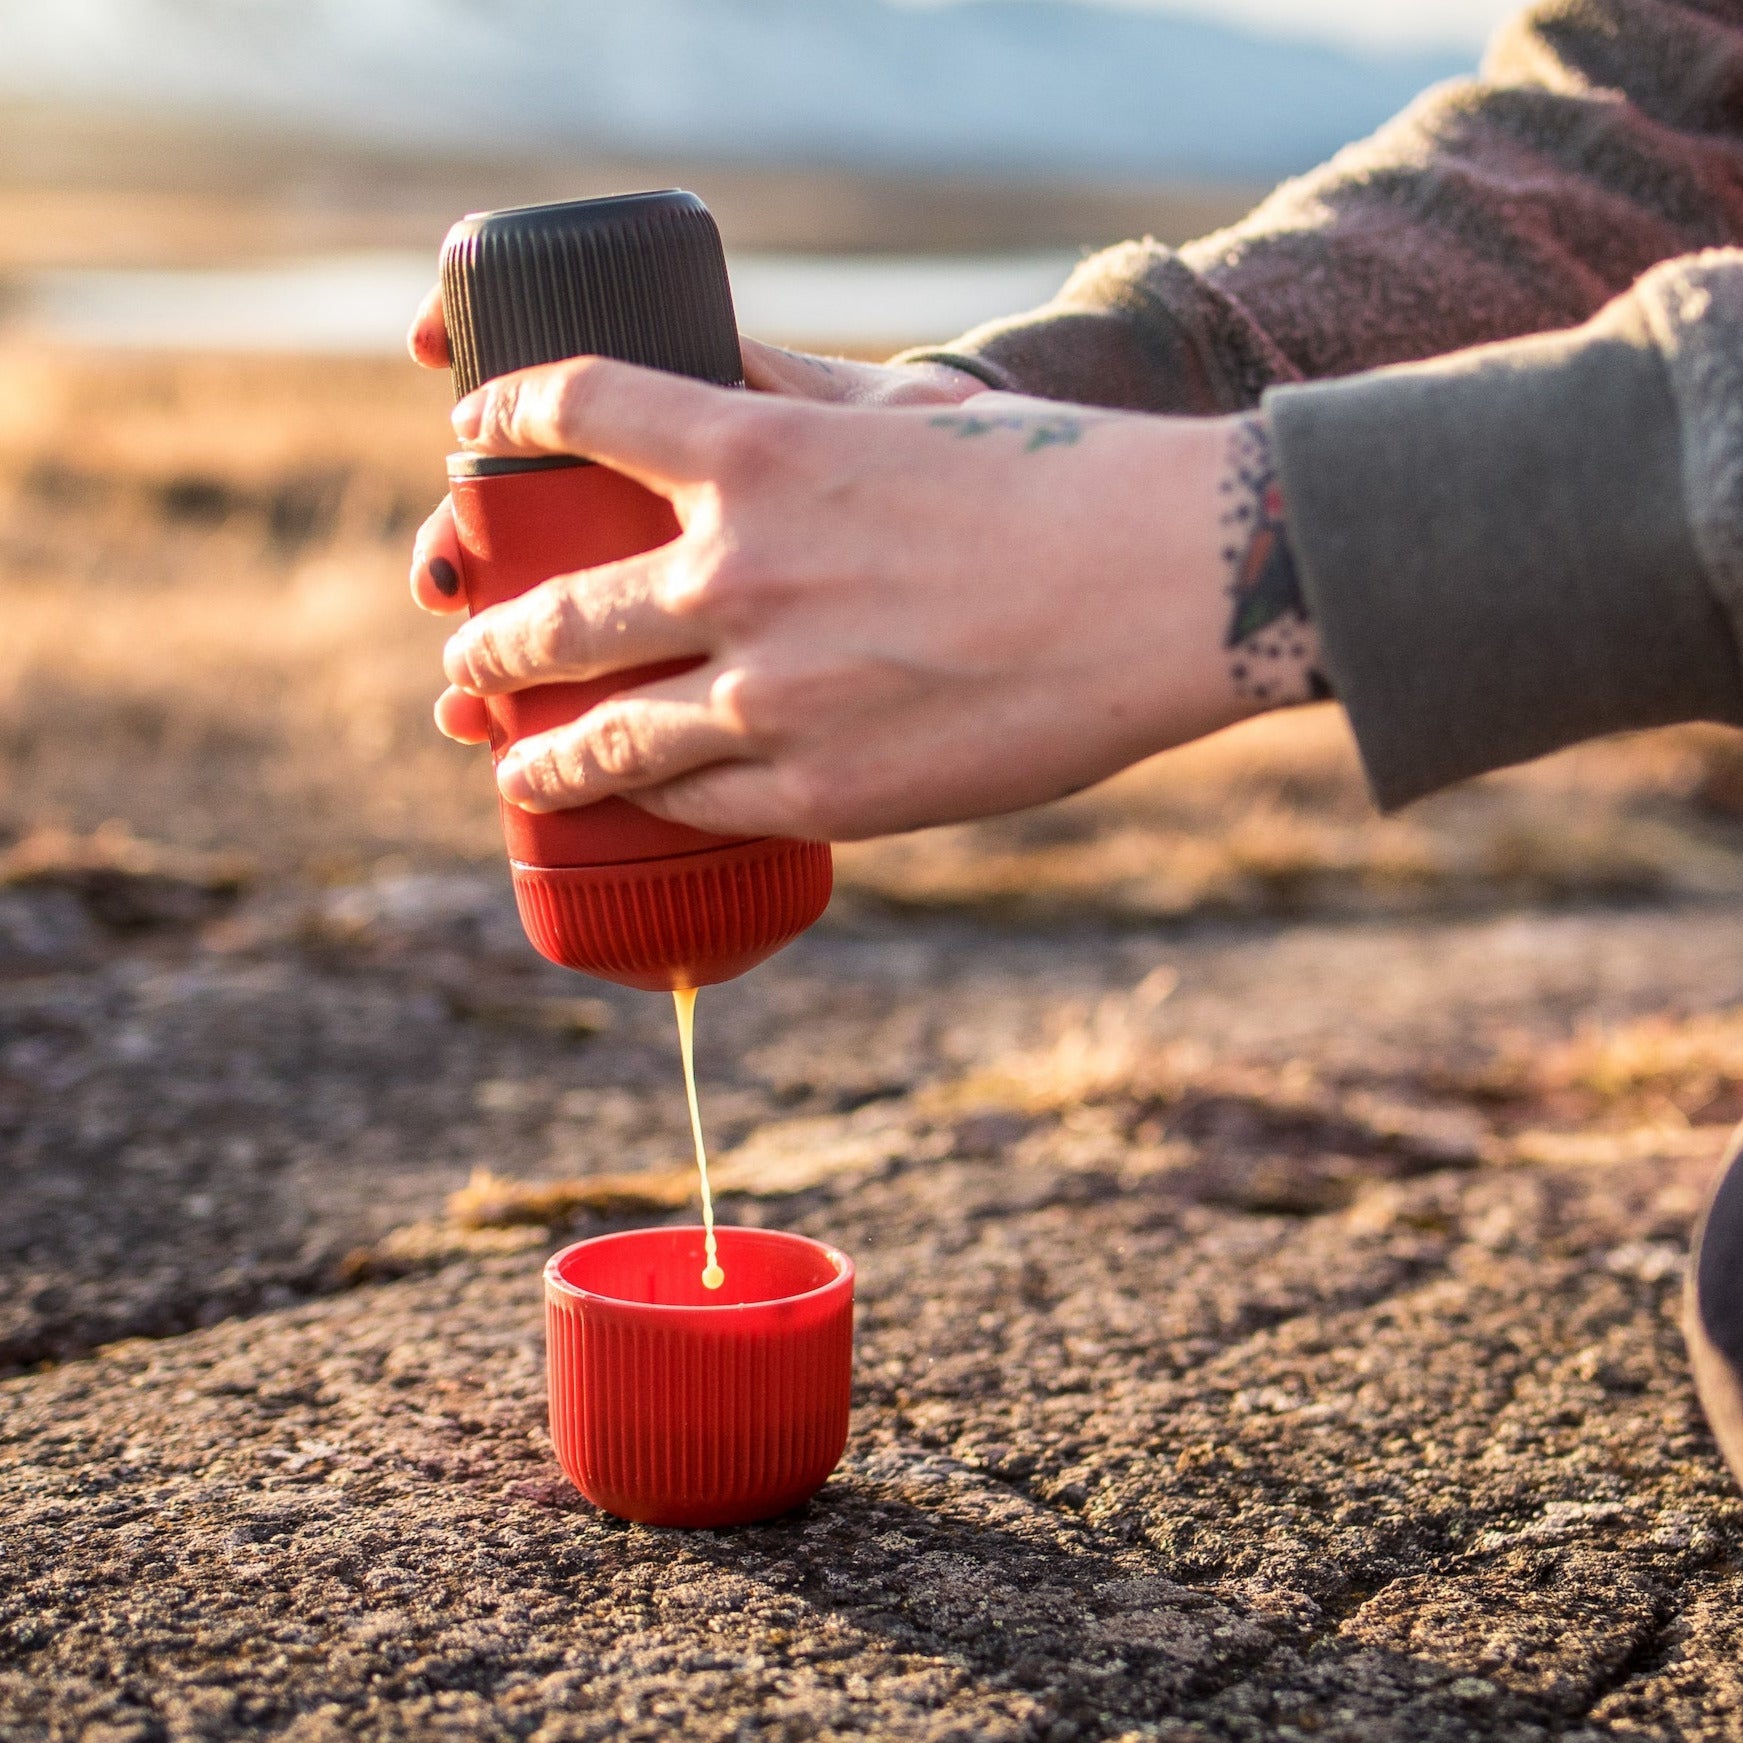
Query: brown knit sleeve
[[1603, 137]]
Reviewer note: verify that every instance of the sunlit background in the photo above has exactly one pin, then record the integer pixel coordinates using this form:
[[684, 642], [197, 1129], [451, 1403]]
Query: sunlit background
[[1457, 24], [884, 170], [216, 217]]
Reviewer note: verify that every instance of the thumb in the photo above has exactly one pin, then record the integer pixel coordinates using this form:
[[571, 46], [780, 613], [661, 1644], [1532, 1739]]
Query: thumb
[[774, 369]]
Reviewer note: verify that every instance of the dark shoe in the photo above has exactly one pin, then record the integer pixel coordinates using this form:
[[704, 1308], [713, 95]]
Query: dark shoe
[[1713, 1308]]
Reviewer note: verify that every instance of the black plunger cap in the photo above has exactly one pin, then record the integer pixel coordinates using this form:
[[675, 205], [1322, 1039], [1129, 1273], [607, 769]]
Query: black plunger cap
[[640, 277]]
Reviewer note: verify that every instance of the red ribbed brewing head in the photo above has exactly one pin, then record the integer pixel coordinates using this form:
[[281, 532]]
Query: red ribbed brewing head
[[688, 921], [605, 888], [672, 1404]]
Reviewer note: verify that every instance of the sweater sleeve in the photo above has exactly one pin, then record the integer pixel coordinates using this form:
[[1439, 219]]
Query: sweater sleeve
[[1602, 137], [1533, 542]]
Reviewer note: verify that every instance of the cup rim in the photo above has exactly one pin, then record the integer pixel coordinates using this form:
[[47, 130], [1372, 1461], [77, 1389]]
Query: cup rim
[[558, 1285]]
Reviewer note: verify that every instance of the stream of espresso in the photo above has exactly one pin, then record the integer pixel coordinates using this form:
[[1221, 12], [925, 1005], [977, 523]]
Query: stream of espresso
[[685, 1002]]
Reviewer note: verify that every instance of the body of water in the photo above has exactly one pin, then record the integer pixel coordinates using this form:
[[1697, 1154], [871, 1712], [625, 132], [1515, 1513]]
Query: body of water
[[361, 303]]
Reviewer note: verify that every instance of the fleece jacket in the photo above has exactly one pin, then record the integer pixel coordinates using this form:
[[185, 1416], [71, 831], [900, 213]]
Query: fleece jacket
[[1500, 345]]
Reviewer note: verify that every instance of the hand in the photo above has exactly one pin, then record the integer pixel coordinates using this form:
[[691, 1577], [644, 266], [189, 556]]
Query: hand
[[905, 616], [773, 369], [767, 368]]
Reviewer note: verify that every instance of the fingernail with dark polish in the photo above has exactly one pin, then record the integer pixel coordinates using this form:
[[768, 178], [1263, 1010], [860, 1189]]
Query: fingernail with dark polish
[[444, 575]]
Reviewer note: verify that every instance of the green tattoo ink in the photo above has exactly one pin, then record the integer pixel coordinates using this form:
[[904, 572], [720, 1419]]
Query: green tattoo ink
[[1060, 432]]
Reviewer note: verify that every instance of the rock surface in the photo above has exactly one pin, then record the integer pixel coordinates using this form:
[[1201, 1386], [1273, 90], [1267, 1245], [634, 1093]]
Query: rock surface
[[1242, 1352]]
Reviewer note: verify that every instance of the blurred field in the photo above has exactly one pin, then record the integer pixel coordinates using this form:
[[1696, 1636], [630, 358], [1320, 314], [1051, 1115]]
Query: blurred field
[[99, 189], [209, 642], [1313, 1275]]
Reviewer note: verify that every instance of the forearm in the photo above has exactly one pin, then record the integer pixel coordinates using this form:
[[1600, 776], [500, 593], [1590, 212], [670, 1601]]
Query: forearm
[[1532, 543], [1589, 151], [921, 615], [1598, 142]]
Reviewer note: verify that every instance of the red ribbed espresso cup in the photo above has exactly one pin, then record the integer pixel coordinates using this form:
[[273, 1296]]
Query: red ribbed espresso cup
[[672, 1404]]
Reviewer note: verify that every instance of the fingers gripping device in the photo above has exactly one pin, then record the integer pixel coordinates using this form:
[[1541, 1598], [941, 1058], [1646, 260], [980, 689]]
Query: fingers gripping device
[[607, 888]]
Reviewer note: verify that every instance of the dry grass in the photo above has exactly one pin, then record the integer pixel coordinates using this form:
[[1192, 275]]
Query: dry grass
[[209, 644], [1273, 819], [489, 1201], [776, 1159], [202, 569], [1665, 1070], [1688, 1063], [1099, 1051]]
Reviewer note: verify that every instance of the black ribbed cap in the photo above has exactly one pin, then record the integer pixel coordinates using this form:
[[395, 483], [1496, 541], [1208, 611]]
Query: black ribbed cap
[[640, 277]]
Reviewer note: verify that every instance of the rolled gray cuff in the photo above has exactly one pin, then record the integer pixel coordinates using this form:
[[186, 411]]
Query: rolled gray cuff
[[1496, 549]]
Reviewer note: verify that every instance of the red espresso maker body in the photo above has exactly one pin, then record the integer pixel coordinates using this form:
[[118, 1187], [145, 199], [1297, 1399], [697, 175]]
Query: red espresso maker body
[[606, 888]]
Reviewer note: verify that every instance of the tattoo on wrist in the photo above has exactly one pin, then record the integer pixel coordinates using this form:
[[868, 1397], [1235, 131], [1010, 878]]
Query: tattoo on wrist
[[1273, 646], [1042, 432]]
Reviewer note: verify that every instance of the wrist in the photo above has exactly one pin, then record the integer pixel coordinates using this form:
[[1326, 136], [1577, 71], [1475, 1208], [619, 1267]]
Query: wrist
[[1229, 634], [952, 377], [1270, 642], [949, 383]]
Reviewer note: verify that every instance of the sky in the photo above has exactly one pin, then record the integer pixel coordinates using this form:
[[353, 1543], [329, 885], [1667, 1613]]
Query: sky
[[1371, 23], [1457, 24]]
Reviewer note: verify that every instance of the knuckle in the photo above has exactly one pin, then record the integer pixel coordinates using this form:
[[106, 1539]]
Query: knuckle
[[614, 745], [809, 799], [545, 770], [497, 651], [763, 705], [471, 660], [748, 439], [713, 578], [683, 584], [535, 636], [501, 415], [724, 584], [572, 388], [555, 630]]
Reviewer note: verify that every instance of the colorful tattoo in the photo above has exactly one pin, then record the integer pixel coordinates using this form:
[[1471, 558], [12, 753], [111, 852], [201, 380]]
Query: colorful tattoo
[[1043, 432], [1273, 645]]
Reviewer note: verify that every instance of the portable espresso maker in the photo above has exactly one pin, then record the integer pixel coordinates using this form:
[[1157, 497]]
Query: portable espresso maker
[[606, 888], [681, 1393]]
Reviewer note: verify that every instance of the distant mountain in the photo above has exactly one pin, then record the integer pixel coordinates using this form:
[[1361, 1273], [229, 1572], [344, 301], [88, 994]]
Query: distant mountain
[[1009, 86]]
